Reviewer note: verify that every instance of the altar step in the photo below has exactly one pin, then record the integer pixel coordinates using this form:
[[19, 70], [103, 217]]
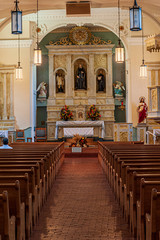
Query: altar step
[[86, 153]]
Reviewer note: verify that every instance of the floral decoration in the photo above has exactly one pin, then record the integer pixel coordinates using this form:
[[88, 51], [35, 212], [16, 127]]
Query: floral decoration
[[66, 114], [79, 141], [93, 113]]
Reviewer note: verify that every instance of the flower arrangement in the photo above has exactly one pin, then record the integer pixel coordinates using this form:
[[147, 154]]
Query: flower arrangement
[[93, 113], [65, 113], [79, 141]]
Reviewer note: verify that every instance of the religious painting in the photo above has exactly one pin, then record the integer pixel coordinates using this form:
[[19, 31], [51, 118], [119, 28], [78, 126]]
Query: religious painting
[[80, 73], [60, 81], [100, 81]]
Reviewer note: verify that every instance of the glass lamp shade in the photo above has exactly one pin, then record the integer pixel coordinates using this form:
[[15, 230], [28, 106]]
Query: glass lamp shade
[[37, 56], [19, 73], [119, 54], [143, 70], [135, 18], [16, 22]]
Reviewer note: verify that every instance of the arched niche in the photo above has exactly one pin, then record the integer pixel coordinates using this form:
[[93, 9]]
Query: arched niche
[[60, 80], [80, 74], [101, 80]]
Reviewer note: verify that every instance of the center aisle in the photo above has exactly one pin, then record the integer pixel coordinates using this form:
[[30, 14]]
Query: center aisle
[[81, 206]]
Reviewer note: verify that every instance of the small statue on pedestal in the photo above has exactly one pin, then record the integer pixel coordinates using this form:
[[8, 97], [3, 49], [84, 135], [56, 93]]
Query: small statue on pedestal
[[142, 110]]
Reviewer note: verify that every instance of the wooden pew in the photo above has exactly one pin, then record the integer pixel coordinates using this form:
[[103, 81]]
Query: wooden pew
[[26, 197], [32, 187], [135, 196], [127, 183], [7, 223], [144, 205], [153, 219], [16, 208]]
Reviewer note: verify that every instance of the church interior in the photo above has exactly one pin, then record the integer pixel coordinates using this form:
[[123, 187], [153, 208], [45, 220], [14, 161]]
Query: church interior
[[80, 120]]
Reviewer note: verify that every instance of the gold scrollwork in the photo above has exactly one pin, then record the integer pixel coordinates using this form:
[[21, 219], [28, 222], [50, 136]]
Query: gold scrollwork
[[80, 36]]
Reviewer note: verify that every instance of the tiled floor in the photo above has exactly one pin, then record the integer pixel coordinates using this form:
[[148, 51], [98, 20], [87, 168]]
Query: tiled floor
[[81, 206]]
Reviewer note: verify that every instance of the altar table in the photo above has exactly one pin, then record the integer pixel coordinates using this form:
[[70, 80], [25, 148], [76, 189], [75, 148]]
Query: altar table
[[80, 124]]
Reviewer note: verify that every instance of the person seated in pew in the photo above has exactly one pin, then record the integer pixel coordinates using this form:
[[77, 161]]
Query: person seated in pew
[[5, 144]]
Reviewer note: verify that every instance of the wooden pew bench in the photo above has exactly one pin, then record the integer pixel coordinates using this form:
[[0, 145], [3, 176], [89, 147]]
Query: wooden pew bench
[[7, 223], [16, 207], [26, 197], [153, 219], [144, 204], [32, 187], [135, 196]]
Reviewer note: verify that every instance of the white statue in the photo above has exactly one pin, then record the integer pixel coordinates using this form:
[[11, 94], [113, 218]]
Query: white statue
[[42, 88]]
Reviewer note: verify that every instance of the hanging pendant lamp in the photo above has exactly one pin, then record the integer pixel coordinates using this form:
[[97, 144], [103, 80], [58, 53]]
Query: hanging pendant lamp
[[37, 50], [16, 20], [119, 50], [19, 70], [135, 17], [143, 67]]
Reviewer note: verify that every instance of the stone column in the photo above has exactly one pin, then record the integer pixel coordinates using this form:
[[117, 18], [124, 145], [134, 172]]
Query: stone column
[[128, 92], [4, 97], [52, 83], [69, 81], [109, 88], [11, 116], [91, 81]]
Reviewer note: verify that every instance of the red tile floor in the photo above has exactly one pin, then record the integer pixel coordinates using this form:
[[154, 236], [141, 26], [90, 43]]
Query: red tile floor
[[81, 206]]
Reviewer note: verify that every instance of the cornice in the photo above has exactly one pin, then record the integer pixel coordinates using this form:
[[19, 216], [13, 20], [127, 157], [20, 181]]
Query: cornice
[[26, 43]]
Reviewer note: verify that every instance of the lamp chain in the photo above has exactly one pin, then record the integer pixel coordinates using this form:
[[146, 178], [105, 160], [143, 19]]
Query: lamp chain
[[18, 50], [37, 23], [142, 39], [119, 17]]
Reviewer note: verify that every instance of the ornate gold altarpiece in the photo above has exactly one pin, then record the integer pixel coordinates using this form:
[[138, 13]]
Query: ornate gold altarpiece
[[97, 55]]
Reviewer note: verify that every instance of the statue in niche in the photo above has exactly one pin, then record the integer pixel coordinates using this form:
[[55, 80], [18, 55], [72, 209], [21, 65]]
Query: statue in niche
[[101, 81], [80, 78], [60, 82], [119, 89], [42, 90]]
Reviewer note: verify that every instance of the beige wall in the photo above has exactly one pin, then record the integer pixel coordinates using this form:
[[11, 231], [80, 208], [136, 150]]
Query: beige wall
[[22, 88]]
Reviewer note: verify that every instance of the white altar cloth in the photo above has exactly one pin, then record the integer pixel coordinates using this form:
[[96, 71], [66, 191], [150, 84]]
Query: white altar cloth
[[86, 132], [80, 124]]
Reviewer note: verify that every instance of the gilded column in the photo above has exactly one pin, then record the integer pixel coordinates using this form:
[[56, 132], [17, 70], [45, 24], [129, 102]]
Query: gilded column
[[69, 81], [11, 116], [91, 79], [109, 88], [4, 97]]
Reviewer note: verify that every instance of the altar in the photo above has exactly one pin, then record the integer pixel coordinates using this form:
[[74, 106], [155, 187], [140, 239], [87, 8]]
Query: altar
[[95, 128]]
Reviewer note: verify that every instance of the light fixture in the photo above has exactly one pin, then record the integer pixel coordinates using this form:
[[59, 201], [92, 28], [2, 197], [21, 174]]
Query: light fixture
[[135, 17], [16, 19], [143, 67], [19, 70], [119, 50], [37, 50]]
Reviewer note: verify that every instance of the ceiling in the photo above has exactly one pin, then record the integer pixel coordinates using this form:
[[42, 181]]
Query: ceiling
[[28, 6]]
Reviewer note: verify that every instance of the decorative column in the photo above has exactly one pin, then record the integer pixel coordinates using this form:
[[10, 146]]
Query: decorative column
[[91, 81], [109, 88], [11, 116], [4, 97], [154, 90], [52, 83], [69, 81], [128, 92]]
